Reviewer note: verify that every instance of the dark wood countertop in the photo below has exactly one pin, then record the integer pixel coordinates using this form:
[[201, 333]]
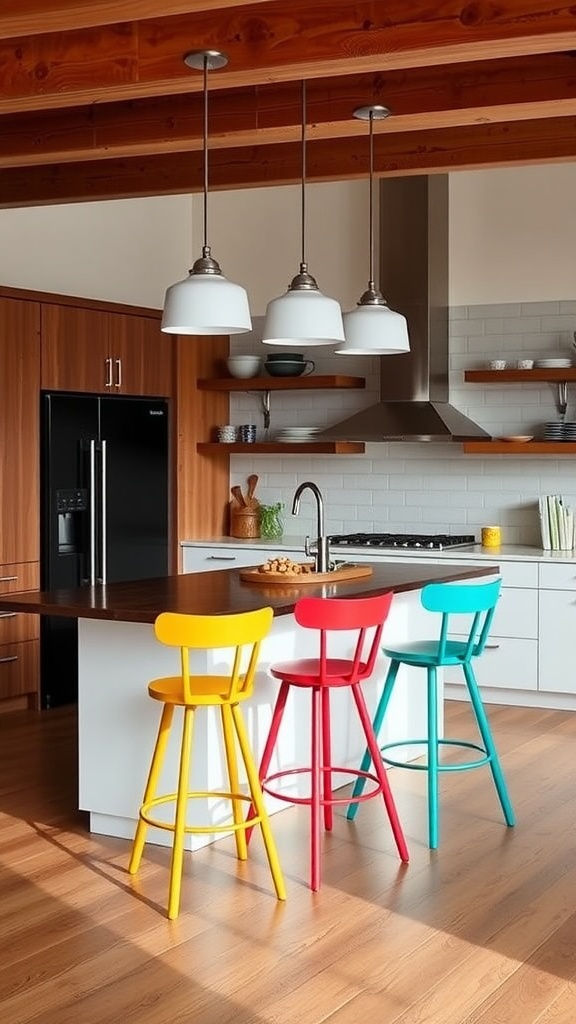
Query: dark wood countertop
[[222, 592]]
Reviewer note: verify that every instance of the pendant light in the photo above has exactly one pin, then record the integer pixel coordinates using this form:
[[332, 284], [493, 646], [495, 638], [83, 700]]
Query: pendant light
[[303, 316], [373, 328], [205, 302]]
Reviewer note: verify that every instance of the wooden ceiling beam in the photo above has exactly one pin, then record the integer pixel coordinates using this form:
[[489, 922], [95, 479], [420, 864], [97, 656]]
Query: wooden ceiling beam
[[553, 139], [520, 88], [30, 17], [270, 42]]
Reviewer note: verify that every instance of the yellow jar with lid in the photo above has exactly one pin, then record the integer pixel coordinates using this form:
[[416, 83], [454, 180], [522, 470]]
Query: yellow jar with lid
[[491, 536]]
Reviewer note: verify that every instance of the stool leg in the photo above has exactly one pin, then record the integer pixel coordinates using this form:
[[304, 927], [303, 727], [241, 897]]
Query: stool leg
[[488, 741], [432, 760], [258, 802], [377, 725], [180, 820], [327, 759], [277, 716], [315, 790], [232, 764], [151, 784], [380, 771]]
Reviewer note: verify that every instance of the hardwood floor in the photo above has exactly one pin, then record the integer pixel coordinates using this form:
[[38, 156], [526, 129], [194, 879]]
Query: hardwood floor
[[481, 932]]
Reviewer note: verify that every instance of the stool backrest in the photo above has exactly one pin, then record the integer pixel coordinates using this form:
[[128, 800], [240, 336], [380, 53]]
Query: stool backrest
[[365, 615], [241, 631], [476, 600]]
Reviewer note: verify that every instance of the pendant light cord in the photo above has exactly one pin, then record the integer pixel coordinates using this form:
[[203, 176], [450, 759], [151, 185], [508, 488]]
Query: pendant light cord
[[371, 202], [205, 248], [303, 183]]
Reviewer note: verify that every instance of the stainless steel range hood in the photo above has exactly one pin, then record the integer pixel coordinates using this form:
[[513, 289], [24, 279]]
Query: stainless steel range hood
[[414, 274]]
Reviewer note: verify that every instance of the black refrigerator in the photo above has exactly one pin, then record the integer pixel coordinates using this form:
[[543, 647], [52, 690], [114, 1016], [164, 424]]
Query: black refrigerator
[[104, 516]]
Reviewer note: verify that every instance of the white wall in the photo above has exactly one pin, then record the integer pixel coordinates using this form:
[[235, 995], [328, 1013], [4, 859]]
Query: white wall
[[513, 234], [124, 251]]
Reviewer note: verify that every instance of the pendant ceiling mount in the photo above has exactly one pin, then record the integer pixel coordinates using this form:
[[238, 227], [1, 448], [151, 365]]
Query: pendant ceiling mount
[[205, 303], [373, 328], [303, 316]]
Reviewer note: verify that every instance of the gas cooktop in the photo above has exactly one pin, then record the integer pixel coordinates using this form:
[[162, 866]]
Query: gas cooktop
[[434, 541]]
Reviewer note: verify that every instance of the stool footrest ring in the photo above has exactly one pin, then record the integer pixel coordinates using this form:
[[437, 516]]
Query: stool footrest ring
[[333, 800], [230, 826], [459, 766]]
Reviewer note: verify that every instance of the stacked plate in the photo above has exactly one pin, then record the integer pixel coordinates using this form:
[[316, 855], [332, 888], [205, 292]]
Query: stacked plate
[[298, 434], [555, 431], [552, 364]]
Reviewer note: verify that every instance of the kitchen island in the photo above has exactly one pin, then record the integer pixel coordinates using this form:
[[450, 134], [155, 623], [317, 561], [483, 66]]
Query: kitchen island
[[118, 654]]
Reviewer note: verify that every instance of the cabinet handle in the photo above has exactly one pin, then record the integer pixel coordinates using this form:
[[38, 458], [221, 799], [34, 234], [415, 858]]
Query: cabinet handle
[[108, 366], [13, 658], [492, 647], [220, 558], [118, 364], [8, 615], [7, 579]]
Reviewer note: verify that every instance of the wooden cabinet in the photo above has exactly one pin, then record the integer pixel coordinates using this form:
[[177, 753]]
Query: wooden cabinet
[[19, 640], [19, 431], [104, 352]]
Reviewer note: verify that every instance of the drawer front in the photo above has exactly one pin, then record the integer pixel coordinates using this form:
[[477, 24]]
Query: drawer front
[[516, 615], [514, 574], [16, 626], [19, 669], [210, 559], [19, 576], [561, 576], [506, 663]]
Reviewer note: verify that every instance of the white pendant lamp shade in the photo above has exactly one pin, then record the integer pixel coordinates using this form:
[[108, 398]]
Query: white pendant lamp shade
[[205, 302], [303, 316], [372, 328]]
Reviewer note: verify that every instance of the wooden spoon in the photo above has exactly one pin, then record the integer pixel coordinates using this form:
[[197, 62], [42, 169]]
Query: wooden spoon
[[252, 481], [237, 494]]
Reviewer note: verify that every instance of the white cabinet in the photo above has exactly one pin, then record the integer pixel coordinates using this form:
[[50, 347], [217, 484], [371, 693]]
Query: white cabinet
[[510, 660], [557, 609]]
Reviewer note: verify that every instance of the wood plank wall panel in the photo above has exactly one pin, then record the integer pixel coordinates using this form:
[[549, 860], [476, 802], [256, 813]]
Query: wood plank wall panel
[[201, 498], [19, 431]]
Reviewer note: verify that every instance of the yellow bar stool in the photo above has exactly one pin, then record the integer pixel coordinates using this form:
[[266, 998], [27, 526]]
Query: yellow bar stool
[[243, 633]]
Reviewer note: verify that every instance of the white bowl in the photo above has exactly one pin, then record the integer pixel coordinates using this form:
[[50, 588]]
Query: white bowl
[[243, 366], [497, 364]]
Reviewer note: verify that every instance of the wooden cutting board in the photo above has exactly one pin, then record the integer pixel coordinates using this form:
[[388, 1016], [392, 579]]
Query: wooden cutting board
[[347, 572]]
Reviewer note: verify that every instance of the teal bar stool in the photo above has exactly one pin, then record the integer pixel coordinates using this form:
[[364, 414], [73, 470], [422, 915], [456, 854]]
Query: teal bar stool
[[477, 603]]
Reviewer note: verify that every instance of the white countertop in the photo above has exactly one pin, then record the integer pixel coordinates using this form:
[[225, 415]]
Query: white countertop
[[506, 552]]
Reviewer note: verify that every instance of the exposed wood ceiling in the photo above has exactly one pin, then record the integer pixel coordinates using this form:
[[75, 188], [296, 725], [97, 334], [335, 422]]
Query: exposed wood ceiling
[[96, 102]]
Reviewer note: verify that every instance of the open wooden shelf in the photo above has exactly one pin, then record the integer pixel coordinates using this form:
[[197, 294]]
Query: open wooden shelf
[[512, 376], [311, 383], [280, 448], [497, 447]]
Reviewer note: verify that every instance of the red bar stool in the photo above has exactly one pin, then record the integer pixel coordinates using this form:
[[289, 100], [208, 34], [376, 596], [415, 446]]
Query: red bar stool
[[366, 618]]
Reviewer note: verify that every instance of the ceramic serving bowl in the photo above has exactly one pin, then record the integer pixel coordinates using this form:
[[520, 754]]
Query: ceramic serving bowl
[[243, 366], [288, 367]]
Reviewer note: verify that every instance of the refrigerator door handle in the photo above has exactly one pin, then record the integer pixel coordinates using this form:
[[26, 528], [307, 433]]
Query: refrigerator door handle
[[103, 537], [92, 528]]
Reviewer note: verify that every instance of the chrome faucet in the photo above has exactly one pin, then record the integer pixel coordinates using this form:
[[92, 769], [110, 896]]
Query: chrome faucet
[[322, 554]]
